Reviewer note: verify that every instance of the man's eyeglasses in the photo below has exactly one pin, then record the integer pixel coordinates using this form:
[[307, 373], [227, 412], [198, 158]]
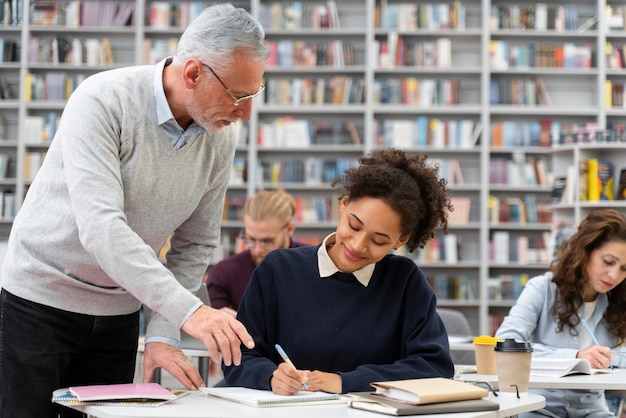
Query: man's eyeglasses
[[265, 243], [238, 100]]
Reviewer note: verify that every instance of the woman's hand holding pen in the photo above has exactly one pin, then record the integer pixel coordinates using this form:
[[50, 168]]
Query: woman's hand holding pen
[[598, 355], [327, 382], [286, 380]]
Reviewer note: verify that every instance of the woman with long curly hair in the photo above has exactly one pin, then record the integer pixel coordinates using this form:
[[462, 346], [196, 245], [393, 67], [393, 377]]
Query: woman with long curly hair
[[347, 311], [585, 282]]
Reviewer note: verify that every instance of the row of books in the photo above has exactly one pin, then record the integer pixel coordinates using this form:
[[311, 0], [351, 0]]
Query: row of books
[[154, 50], [506, 286], [6, 90], [595, 179], [313, 209], [520, 170], [5, 161], [8, 204], [589, 133], [442, 248], [529, 91], [505, 248], [51, 85], [309, 171], [504, 55], [615, 17], [427, 132], [396, 51], [538, 17], [9, 50], [298, 15], [513, 134], [413, 16], [614, 94], [340, 90], [32, 163], [456, 287], [11, 12], [615, 56], [40, 129], [294, 53], [288, 132], [416, 92], [77, 51], [519, 210], [81, 13], [165, 14]]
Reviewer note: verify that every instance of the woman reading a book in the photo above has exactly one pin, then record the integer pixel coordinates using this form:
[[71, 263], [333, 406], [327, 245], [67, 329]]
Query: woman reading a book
[[347, 312], [585, 285]]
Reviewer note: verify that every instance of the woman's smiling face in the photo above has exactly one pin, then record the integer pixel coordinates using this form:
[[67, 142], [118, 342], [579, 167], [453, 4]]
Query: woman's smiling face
[[368, 229]]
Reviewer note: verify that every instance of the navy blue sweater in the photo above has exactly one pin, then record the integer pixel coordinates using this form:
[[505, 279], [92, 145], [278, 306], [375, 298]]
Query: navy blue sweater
[[388, 330]]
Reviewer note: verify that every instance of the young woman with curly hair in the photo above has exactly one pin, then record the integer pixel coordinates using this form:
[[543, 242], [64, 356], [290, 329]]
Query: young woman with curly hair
[[347, 311], [585, 281]]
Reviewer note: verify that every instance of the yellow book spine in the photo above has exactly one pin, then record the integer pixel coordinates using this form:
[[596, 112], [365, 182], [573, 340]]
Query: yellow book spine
[[28, 87], [594, 188], [608, 94]]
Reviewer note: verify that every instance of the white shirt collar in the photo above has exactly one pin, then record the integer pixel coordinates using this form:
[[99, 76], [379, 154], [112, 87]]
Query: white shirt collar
[[327, 268]]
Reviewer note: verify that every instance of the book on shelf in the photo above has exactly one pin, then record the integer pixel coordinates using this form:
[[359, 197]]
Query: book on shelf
[[558, 189], [559, 367], [367, 402], [124, 394], [621, 185], [266, 398], [461, 213], [600, 180]]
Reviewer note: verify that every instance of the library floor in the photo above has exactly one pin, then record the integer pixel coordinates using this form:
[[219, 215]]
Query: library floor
[[167, 379]]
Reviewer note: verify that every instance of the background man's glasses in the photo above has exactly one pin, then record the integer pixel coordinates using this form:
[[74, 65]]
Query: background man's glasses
[[265, 243], [238, 100]]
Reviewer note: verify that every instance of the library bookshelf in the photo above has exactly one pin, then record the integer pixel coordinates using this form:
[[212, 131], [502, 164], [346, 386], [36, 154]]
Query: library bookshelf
[[482, 86]]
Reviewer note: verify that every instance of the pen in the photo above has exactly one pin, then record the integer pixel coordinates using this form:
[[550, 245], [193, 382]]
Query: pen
[[588, 328], [288, 361], [593, 337]]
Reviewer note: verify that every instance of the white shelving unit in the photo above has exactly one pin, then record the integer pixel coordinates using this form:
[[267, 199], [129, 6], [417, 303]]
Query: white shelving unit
[[577, 96]]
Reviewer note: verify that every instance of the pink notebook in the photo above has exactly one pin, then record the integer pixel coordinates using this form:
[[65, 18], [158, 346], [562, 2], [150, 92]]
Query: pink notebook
[[122, 391]]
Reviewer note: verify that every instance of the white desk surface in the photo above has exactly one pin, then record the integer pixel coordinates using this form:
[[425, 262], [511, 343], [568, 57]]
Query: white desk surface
[[615, 380], [198, 405]]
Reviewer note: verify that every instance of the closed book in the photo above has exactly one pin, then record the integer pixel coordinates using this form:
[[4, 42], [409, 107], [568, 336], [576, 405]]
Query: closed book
[[67, 398], [367, 402], [428, 390], [121, 391]]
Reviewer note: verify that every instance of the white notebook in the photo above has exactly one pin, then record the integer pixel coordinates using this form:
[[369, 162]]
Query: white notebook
[[559, 367], [266, 398]]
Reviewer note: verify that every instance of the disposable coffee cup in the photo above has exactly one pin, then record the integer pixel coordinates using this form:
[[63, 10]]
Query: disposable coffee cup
[[513, 365], [485, 355]]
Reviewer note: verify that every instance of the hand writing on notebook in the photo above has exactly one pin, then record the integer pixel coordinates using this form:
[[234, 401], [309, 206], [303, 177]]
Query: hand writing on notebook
[[287, 380], [598, 355]]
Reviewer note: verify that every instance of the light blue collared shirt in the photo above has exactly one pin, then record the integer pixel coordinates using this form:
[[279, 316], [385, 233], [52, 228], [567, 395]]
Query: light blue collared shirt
[[178, 137], [165, 118], [328, 268]]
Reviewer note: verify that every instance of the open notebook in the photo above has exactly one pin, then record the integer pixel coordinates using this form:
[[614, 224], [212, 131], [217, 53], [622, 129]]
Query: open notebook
[[559, 367], [266, 398]]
